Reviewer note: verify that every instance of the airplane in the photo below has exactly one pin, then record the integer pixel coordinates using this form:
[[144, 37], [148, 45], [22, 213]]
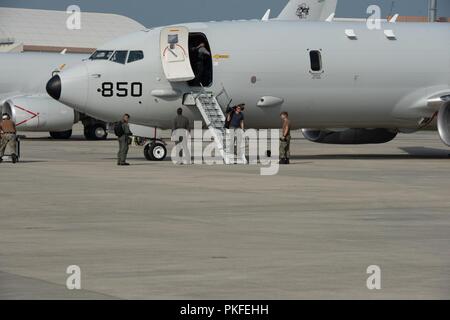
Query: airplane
[[23, 78], [341, 83]]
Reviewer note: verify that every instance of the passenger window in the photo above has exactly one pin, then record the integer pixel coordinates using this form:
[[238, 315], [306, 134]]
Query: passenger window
[[316, 60], [101, 55], [119, 57], [135, 56]]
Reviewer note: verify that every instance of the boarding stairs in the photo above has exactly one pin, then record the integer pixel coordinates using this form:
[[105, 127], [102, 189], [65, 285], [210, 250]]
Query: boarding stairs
[[214, 118]]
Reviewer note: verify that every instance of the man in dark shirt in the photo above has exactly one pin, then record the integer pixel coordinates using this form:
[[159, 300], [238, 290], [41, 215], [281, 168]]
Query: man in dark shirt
[[236, 118], [235, 122]]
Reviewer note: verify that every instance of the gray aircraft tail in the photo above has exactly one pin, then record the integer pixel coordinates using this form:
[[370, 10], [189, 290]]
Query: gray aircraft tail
[[308, 10]]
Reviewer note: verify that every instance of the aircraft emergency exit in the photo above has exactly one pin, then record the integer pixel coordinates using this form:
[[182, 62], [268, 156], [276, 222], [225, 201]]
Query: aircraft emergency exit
[[340, 82]]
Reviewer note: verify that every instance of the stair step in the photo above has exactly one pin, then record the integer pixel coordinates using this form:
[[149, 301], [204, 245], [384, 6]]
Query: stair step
[[215, 119]]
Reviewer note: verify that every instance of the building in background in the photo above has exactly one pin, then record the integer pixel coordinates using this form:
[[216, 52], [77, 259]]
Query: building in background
[[419, 19], [46, 31]]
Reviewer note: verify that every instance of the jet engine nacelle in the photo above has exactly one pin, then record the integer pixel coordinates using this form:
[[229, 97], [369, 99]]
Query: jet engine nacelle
[[40, 113], [349, 136], [444, 123]]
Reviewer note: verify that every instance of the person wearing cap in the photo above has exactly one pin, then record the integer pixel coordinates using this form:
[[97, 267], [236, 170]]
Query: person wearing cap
[[182, 123], [285, 139], [8, 137]]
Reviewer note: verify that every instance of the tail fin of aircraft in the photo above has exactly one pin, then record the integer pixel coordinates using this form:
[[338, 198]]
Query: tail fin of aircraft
[[308, 10]]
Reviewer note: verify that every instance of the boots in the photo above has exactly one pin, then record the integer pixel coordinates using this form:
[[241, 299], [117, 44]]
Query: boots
[[284, 161]]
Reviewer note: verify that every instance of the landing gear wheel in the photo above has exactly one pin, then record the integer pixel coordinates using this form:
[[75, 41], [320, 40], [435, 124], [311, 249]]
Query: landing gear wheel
[[63, 135], [155, 151], [95, 132]]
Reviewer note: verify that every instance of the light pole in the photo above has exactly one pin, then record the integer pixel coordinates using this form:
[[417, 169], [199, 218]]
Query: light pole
[[432, 13]]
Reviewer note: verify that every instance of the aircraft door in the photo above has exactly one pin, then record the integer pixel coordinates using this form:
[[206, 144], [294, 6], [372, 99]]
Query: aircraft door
[[174, 47]]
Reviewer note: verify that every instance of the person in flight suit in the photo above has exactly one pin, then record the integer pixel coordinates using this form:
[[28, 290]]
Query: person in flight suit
[[8, 137], [123, 136], [285, 140], [181, 122]]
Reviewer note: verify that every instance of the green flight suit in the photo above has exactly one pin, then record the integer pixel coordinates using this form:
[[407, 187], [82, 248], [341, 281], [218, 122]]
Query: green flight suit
[[124, 142]]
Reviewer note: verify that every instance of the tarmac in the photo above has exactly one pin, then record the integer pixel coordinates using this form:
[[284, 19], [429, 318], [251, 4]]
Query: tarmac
[[155, 230]]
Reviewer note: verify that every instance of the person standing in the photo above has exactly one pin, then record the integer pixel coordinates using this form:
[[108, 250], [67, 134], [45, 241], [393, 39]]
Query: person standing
[[285, 140], [123, 133], [235, 118], [235, 124], [203, 56], [8, 137], [181, 123]]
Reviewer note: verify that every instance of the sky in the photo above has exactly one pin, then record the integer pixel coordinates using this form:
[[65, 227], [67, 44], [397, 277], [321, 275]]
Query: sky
[[153, 13]]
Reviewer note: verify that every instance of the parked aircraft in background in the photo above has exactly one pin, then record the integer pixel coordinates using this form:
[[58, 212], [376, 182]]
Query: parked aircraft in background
[[23, 78]]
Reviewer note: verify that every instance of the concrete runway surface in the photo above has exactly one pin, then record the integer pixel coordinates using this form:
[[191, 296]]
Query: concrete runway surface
[[159, 231]]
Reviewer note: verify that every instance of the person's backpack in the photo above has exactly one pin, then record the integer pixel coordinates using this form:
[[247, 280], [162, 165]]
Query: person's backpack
[[118, 129], [228, 122]]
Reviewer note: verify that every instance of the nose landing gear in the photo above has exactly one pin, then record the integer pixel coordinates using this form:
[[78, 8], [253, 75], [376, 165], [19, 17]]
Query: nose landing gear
[[155, 150]]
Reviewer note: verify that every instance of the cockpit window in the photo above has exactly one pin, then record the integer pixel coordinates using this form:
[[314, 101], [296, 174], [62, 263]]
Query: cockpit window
[[135, 56], [119, 57], [101, 55]]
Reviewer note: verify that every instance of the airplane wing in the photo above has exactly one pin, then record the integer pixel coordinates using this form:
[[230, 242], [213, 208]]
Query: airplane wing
[[308, 10]]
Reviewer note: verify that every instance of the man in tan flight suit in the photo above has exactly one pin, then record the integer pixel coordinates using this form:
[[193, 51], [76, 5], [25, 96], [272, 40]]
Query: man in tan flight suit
[[8, 137], [285, 140]]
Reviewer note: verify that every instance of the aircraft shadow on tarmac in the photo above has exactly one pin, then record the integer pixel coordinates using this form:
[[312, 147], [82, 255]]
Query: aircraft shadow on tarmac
[[72, 139], [411, 153]]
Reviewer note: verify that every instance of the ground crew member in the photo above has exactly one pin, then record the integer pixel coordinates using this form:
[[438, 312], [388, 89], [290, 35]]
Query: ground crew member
[[235, 122], [124, 134], [182, 123], [285, 139], [8, 137], [235, 118]]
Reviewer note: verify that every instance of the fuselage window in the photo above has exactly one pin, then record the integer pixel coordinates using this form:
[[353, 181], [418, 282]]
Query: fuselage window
[[101, 55], [316, 60], [119, 57], [135, 56]]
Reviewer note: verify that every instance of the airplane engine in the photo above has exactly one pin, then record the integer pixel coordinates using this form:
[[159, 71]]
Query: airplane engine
[[40, 113], [444, 124], [350, 136]]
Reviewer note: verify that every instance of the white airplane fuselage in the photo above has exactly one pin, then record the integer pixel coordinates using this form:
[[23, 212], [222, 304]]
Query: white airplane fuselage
[[371, 81]]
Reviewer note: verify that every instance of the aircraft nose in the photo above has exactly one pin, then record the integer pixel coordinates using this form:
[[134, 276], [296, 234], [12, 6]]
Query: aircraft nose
[[54, 87], [70, 87]]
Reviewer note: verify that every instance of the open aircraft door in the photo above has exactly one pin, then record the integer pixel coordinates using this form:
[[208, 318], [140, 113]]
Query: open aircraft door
[[174, 49]]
